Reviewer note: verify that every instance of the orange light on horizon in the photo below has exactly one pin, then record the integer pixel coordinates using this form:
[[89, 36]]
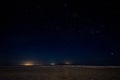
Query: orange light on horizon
[[28, 63]]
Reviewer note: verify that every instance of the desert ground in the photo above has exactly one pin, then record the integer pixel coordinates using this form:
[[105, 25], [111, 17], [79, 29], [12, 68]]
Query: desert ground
[[59, 73]]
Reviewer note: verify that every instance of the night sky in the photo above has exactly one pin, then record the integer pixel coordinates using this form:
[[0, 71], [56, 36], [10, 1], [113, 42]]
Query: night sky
[[45, 31]]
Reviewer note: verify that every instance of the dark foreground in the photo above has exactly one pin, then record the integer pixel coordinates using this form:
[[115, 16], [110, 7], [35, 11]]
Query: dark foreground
[[59, 73]]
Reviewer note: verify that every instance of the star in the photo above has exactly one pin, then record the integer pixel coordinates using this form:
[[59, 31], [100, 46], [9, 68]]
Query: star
[[65, 5], [92, 32], [58, 28], [75, 15], [79, 31], [112, 53], [98, 31]]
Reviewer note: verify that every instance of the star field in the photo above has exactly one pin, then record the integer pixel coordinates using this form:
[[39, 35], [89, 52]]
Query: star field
[[77, 31]]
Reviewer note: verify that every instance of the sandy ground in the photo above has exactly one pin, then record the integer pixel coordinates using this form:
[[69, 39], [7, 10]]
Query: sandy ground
[[60, 73]]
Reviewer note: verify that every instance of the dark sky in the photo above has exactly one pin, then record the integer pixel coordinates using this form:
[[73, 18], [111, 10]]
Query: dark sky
[[81, 32]]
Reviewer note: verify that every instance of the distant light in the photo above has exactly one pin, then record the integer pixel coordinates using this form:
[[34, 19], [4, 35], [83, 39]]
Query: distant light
[[52, 63], [67, 63], [28, 63]]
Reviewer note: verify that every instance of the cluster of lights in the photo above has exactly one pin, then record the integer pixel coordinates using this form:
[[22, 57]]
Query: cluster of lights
[[31, 63]]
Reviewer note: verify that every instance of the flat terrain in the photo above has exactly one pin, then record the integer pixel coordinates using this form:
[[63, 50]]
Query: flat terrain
[[59, 73]]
